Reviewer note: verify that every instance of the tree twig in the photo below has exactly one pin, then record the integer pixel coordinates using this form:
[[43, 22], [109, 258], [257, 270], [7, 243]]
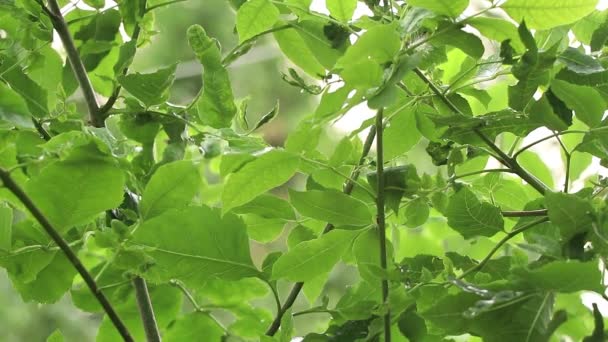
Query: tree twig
[[381, 219], [10, 184], [348, 189], [504, 159], [80, 72], [146, 311]]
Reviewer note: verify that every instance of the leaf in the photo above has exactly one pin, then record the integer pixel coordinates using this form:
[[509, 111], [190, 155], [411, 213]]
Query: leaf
[[173, 185], [450, 8], [562, 276], [470, 217], [416, 212], [34, 96], [254, 17], [72, 192], [205, 246], [6, 231], [546, 14], [192, 326], [216, 106], [268, 206], [294, 47], [314, 257], [51, 283], [586, 102], [569, 212], [498, 30], [342, 10], [268, 171], [396, 142], [452, 35], [331, 206], [150, 89]]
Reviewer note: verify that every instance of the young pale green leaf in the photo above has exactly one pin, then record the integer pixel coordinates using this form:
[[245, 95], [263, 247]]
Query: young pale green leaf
[[331, 206], [416, 212], [450, 8], [563, 276], [314, 257], [471, 217], [255, 17], [587, 103], [401, 134], [569, 212], [268, 171], [216, 106], [192, 326], [498, 30], [150, 89], [379, 44], [263, 229], [173, 185], [546, 14], [72, 192], [205, 246], [342, 10], [34, 96]]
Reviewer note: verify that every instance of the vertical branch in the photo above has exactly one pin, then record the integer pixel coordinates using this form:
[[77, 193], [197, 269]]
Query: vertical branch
[[54, 12], [10, 184], [348, 189], [145, 310], [380, 219]]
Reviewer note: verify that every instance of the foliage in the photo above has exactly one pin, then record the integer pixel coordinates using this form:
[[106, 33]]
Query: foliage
[[140, 201]]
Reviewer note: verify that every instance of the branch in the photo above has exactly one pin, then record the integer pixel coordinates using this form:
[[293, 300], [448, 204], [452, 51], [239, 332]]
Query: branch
[[380, 218], [80, 72], [348, 189], [504, 240], [10, 184], [455, 177], [145, 310], [529, 213], [504, 159], [103, 111]]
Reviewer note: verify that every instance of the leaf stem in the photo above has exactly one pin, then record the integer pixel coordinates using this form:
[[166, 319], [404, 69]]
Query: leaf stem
[[348, 189], [526, 213], [554, 135], [146, 311], [10, 184], [504, 240], [504, 159], [381, 218], [80, 72]]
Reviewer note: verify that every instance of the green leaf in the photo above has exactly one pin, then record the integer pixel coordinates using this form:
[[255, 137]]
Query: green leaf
[[396, 141], [379, 44], [294, 47], [206, 246], [51, 283], [452, 35], [12, 105], [268, 206], [416, 212], [331, 206], [268, 171], [6, 231], [342, 10], [150, 89], [34, 96], [562, 276], [72, 192], [471, 217], [193, 326], [450, 8], [569, 212], [498, 30], [314, 257], [173, 185], [546, 14], [216, 106], [255, 17], [587, 103]]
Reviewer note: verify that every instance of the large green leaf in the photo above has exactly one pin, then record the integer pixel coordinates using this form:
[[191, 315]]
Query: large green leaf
[[342, 10], [451, 8], [205, 245], [254, 17], [268, 171], [74, 191], [34, 96], [314, 257], [216, 106], [294, 47], [569, 212], [545, 14], [563, 276], [192, 326], [6, 223], [173, 185], [471, 217], [331, 206], [150, 89], [586, 102]]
